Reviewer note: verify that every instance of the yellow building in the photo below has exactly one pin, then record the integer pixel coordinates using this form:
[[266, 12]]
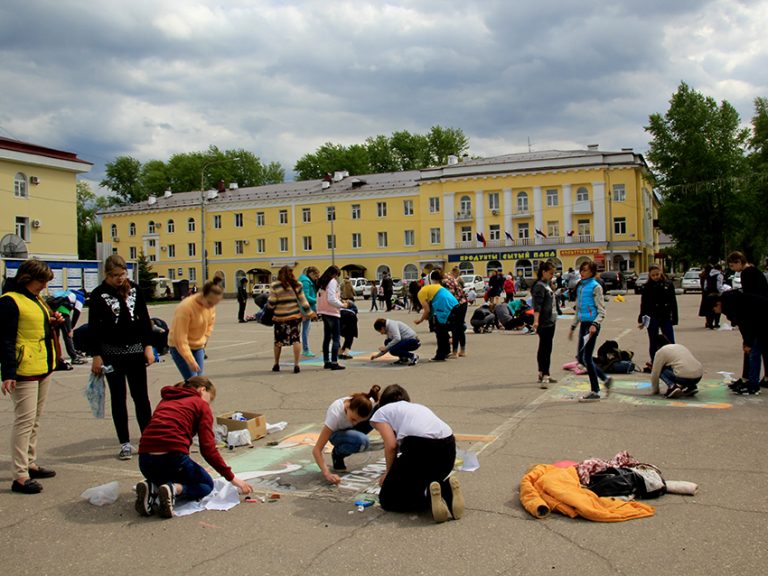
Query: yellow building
[[38, 196], [583, 203]]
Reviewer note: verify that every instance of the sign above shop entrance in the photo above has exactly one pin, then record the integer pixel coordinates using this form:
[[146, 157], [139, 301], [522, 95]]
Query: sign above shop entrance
[[519, 255]]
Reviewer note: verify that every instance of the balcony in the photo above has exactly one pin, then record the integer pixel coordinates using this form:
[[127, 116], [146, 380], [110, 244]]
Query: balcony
[[464, 216], [524, 242], [582, 207], [521, 213], [552, 240], [583, 238]]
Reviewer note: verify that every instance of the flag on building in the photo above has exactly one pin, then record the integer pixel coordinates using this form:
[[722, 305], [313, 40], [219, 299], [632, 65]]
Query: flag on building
[[540, 233], [571, 233], [509, 236], [481, 238]]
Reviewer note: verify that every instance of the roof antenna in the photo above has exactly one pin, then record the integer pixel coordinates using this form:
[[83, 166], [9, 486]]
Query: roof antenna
[[529, 144]]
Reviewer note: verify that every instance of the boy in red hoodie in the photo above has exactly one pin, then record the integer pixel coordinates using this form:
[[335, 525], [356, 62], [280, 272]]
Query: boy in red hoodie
[[164, 449]]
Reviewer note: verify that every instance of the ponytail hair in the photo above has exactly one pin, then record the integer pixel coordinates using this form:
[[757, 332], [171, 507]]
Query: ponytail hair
[[214, 286], [362, 403], [199, 382], [394, 393], [544, 267]]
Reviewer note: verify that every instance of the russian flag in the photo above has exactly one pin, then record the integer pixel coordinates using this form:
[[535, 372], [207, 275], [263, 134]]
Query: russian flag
[[481, 238], [509, 236]]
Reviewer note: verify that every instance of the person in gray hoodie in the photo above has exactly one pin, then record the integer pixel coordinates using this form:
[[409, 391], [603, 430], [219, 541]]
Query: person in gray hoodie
[[544, 319], [401, 341]]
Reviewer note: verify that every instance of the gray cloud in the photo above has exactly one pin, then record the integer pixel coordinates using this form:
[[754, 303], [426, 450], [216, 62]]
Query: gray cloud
[[151, 78]]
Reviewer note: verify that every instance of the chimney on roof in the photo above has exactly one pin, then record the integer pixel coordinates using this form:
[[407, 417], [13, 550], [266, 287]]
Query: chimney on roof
[[233, 185], [152, 200], [338, 176], [167, 194], [326, 184], [221, 186], [453, 160], [593, 147]]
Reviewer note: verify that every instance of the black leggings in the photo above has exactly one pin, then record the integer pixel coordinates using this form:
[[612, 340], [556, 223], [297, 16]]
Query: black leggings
[[458, 328], [131, 368], [543, 355], [421, 462]]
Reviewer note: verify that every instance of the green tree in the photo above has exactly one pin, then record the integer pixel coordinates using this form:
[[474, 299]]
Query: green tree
[[145, 276], [88, 221], [411, 151], [754, 197], [154, 178], [123, 177], [697, 153], [444, 142], [380, 154]]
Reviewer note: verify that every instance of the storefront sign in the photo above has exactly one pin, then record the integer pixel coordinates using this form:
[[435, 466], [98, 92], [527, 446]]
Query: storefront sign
[[579, 251], [520, 255]]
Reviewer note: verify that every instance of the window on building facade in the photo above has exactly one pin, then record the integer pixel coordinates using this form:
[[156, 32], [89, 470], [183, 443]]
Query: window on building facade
[[493, 201], [260, 219], [152, 258], [283, 216], [20, 185], [132, 229], [619, 193], [383, 240], [582, 194], [330, 213], [434, 235], [330, 241], [410, 237], [261, 245], [465, 205], [553, 228], [191, 225], [172, 273], [583, 228], [238, 220], [523, 232], [151, 227], [494, 232], [552, 197], [193, 274], [284, 244], [408, 207], [466, 233], [307, 242], [113, 230], [410, 273], [171, 227], [434, 204], [217, 221], [171, 250], [381, 209], [152, 243], [239, 246], [620, 225], [356, 212], [191, 251], [357, 240], [306, 215], [217, 249], [522, 202], [132, 252]]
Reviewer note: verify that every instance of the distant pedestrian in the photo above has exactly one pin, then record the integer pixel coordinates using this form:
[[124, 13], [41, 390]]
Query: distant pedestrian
[[286, 297], [509, 287], [329, 305], [401, 340], [347, 290], [374, 293], [658, 309], [309, 285], [711, 285], [242, 299], [544, 319], [387, 288], [495, 287]]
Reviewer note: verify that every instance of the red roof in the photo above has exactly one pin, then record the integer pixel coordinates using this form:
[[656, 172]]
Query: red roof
[[27, 148]]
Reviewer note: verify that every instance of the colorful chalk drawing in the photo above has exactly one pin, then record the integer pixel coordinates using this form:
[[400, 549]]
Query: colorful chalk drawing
[[361, 359], [713, 394]]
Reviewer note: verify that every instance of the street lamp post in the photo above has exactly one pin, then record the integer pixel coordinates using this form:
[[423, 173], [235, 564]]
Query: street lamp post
[[203, 251]]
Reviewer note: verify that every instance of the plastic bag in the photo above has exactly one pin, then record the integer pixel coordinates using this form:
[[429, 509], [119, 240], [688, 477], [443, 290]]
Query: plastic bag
[[94, 393], [102, 495], [239, 438]]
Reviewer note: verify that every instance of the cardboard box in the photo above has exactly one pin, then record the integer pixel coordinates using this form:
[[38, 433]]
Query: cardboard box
[[255, 423]]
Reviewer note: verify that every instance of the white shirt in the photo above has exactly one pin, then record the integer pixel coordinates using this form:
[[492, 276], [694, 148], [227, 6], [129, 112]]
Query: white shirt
[[336, 417], [409, 419]]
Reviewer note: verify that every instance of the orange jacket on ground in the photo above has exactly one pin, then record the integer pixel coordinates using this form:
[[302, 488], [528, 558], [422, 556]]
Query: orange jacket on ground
[[546, 487]]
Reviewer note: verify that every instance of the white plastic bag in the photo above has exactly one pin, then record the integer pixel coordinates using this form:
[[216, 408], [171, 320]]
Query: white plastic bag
[[102, 495], [239, 438]]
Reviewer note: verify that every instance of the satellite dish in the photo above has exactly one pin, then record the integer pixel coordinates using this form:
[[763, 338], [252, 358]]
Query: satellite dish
[[13, 246]]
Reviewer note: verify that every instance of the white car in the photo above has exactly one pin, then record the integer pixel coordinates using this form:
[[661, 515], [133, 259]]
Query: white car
[[473, 281], [362, 287], [690, 282]]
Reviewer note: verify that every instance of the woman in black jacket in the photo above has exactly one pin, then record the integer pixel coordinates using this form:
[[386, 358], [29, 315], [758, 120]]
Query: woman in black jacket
[[544, 319], [658, 309], [120, 334]]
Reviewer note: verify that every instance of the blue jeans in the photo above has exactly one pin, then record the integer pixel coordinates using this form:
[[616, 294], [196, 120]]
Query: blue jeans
[[404, 348], [668, 377], [755, 362], [177, 468], [653, 334], [182, 365], [585, 356], [346, 442], [305, 327], [331, 338]]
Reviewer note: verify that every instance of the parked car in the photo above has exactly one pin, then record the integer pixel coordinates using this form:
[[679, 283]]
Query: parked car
[[362, 287], [473, 281], [640, 282], [690, 282], [631, 278], [259, 289], [613, 280]]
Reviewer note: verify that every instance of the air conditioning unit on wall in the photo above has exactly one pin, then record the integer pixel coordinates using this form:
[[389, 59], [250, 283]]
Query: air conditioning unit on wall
[[115, 239], [495, 212], [36, 223], [34, 180]]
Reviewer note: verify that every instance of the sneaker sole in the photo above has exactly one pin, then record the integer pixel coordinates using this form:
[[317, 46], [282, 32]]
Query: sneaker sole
[[675, 394], [142, 499], [458, 498], [165, 505], [440, 511], [124, 456], [587, 400]]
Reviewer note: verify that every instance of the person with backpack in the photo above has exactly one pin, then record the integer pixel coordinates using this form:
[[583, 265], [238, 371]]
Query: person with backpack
[[677, 368], [590, 313], [658, 309]]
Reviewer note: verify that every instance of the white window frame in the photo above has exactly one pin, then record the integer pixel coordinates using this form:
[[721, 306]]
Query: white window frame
[[330, 241], [171, 250], [239, 247], [191, 249], [132, 229], [412, 234], [619, 193], [582, 194], [217, 248], [357, 240], [260, 219], [284, 244], [434, 204], [356, 212], [20, 185], [191, 225], [151, 227], [620, 226], [381, 209], [466, 233], [171, 227], [383, 239], [193, 274], [494, 232], [132, 252], [306, 215], [521, 200], [330, 213], [553, 198], [217, 221], [553, 228], [407, 207], [261, 245], [113, 230], [493, 201], [434, 235], [307, 243], [523, 231], [238, 219], [283, 217]]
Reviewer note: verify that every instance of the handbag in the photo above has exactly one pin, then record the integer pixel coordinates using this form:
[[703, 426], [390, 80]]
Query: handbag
[[267, 316]]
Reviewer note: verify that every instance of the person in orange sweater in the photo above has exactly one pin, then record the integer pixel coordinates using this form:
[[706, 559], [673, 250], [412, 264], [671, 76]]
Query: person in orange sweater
[[192, 326]]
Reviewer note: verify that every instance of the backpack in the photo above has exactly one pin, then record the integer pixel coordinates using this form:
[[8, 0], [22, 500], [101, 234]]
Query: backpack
[[643, 481], [613, 359]]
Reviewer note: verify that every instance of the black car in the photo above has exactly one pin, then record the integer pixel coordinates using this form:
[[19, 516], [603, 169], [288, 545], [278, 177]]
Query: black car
[[612, 280]]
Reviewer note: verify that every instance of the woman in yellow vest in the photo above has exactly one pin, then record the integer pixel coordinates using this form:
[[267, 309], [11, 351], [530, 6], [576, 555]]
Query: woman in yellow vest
[[27, 358]]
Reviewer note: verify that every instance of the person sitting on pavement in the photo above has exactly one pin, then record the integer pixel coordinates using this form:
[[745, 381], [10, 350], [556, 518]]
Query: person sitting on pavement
[[346, 427], [676, 366], [483, 320], [510, 315], [400, 341]]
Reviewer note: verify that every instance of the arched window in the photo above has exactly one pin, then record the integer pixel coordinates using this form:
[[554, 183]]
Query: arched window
[[239, 275], [220, 274], [381, 270], [582, 194], [524, 268], [171, 226], [410, 272], [493, 265], [20, 185], [151, 227], [132, 229], [191, 225], [580, 260], [466, 268], [522, 202], [113, 230], [465, 205]]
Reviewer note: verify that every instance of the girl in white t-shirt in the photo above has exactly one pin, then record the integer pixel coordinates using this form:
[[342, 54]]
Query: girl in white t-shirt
[[346, 427], [420, 450]]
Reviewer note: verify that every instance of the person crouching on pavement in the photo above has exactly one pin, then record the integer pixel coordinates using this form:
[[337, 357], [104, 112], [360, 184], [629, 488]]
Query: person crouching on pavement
[[400, 341], [346, 427], [169, 472], [677, 368]]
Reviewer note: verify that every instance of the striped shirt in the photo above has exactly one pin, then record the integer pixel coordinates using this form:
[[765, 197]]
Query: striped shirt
[[286, 302]]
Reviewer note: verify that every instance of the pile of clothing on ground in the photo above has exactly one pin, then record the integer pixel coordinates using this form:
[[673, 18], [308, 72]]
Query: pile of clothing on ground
[[596, 489]]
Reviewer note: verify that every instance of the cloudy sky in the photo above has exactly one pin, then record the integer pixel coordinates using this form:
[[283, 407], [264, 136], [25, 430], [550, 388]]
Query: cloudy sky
[[149, 78]]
